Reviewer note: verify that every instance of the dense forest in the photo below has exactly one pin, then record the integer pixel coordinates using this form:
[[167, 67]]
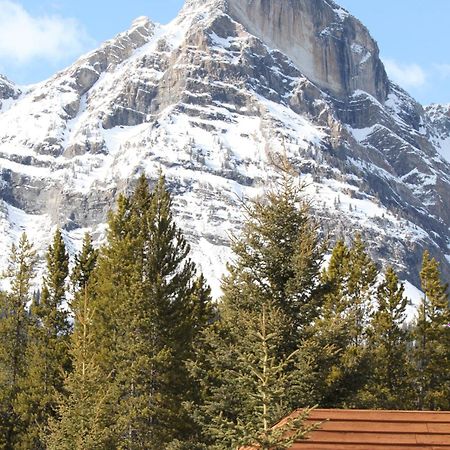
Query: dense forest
[[123, 348]]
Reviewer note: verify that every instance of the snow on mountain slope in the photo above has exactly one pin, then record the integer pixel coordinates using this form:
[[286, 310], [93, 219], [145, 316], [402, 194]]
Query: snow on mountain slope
[[440, 117], [214, 99], [9, 92]]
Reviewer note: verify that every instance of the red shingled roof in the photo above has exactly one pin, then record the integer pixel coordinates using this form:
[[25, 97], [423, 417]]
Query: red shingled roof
[[378, 430]]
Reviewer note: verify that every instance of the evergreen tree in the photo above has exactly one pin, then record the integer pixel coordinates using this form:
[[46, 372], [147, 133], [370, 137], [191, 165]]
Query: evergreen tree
[[144, 298], [349, 285], [84, 266], [204, 312], [249, 386], [278, 259], [361, 289], [277, 269], [47, 352], [85, 409], [432, 340], [14, 328], [389, 385]]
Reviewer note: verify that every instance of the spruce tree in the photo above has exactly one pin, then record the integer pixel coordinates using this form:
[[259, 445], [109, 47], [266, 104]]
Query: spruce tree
[[248, 385], [47, 352], [85, 408], [276, 269], [14, 330], [349, 290], [432, 340], [361, 289], [144, 303], [84, 266], [389, 385], [278, 258]]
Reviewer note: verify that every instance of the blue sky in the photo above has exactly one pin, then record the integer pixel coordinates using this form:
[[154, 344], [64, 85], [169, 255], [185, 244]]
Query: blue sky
[[38, 37]]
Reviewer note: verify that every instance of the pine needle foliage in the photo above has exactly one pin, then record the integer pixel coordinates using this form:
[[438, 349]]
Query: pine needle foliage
[[85, 408], [145, 299], [432, 340], [85, 263], [249, 384], [251, 364], [389, 385], [277, 259], [349, 289], [14, 330], [47, 350]]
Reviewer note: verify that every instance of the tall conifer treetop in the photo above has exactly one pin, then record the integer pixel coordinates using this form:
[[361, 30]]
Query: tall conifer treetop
[[277, 256], [146, 302], [14, 332]]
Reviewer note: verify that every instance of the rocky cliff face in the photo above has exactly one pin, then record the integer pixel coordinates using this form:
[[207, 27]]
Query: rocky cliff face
[[214, 98], [439, 116], [8, 92], [325, 43]]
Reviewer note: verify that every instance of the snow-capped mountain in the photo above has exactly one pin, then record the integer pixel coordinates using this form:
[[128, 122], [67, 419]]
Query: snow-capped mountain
[[439, 116], [8, 92], [214, 99]]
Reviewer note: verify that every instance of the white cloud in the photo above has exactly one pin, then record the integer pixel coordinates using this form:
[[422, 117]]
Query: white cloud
[[24, 38], [406, 75]]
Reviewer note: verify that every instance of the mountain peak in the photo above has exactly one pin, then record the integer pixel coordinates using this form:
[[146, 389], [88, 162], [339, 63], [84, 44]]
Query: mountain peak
[[199, 5], [142, 21], [7, 87], [326, 43]]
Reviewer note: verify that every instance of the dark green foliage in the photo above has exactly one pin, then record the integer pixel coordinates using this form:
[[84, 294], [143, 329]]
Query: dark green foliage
[[432, 340], [389, 385], [151, 362], [84, 266], [47, 351], [278, 259], [85, 409], [349, 285], [248, 385], [14, 329], [146, 306], [268, 303]]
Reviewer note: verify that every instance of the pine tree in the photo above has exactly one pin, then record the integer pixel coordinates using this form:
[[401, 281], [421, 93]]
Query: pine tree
[[47, 352], [248, 384], [85, 409], [349, 286], [84, 266], [144, 298], [432, 340], [389, 385], [14, 328], [203, 310], [361, 290], [277, 269], [278, 259]]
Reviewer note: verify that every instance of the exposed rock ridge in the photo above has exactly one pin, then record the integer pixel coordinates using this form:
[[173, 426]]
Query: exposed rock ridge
[[8, 90], [112, 53], [439, 116], [328, 45]]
